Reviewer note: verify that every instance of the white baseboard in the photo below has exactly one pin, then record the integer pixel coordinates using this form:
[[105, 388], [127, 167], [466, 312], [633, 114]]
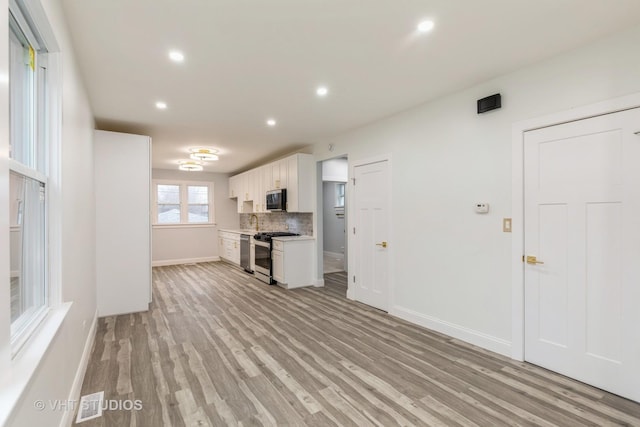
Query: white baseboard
[[76, 387], [318, 283], [477, 338], [350, 294], [166, 262]]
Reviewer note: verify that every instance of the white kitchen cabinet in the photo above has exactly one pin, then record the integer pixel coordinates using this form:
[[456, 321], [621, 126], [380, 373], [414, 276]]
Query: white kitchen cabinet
[[295, 173], [229, 246], [300, 169], [257, 191], [277, 266], [279, 173], [234, 182], [220, 246], [292, 261], [122, 180]]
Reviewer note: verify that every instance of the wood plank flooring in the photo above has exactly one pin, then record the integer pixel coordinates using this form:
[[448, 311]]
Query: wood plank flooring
[[221, 348]]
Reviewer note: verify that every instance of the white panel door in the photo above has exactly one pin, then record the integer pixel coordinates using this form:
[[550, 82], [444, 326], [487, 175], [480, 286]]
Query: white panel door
[[582, 223], [371, 207]]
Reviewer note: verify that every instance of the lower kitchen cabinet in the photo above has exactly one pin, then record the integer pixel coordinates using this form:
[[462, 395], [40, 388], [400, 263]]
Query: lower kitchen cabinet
[[229, 247], [292, 261]]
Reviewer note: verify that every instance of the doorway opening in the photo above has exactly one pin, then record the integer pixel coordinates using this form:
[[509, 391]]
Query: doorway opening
[[335, 175]]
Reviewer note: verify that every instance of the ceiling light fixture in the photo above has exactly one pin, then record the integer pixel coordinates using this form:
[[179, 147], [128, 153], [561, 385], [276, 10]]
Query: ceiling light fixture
[[176, 56], [161, 105], [271, 122], [322, 91], [203, 154], [425, 26], [190, 166]]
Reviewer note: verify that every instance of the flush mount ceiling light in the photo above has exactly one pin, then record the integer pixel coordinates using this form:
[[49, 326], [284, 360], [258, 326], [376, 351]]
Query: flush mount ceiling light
[[425, 26], [322, 91], [271, 122], [161, 105], [190, 166], [176, 56], [203, 154]]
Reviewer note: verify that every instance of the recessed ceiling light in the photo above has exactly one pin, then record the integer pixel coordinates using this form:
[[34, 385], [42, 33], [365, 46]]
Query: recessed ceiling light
[[190, 166], [161, 105], [425, 26], [176, 56], [322, 91], [271, 122]]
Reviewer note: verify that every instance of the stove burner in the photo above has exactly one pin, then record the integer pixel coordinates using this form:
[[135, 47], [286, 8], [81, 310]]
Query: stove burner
[[266, 236]]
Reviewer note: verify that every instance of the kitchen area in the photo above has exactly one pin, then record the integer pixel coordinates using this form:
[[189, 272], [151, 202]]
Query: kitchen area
[[275, 241]]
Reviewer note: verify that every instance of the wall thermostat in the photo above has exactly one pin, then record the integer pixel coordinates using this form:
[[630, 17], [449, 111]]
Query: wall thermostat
[[481, 207]]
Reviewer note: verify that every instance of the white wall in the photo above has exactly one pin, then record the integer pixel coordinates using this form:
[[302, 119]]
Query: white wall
[[55, 374], [451, 266], [172, 245], [335, 170]]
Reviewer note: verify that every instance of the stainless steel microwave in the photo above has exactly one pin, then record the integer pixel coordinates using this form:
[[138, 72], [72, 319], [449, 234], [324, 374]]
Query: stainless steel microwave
[[277, 200]]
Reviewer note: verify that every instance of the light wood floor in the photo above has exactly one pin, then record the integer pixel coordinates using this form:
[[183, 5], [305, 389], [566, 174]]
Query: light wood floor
[[221, 348]]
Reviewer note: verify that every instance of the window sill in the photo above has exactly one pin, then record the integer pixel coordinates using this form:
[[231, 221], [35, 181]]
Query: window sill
[[201, 225], [28, 359]]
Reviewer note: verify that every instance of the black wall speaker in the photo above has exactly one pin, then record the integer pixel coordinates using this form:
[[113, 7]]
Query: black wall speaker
[[489, 103]]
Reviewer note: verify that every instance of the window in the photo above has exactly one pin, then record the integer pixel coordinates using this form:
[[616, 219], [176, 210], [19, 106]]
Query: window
[[168, 204], [29, 170], [183, 203], [198, 203], [340, 195]]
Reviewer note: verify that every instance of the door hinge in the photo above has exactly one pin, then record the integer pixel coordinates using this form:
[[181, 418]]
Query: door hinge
[[354, 230], [354, 279], [522, 258], [354, 181]]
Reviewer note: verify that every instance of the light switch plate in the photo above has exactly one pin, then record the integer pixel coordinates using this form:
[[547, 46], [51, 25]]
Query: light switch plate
[[506, 225]]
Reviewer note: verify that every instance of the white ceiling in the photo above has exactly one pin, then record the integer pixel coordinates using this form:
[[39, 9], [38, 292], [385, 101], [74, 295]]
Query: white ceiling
[[249, 60]]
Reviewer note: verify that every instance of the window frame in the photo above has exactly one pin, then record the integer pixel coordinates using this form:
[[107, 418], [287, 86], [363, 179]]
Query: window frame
[[340, 195], [184, 203], [44, 161]]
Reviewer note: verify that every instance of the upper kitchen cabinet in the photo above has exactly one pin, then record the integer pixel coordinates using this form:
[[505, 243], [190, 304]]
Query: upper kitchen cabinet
[[239, 189], [300, 172], [295, 173], [256, 183], [234, 185], [279, 173]]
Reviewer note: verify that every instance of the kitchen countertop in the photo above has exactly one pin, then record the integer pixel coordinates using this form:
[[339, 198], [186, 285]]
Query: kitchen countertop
[[289, 238], [281, 238], [251, 232]]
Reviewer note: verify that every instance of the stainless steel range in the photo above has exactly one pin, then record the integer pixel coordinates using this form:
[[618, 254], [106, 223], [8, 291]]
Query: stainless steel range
[[263, 265]]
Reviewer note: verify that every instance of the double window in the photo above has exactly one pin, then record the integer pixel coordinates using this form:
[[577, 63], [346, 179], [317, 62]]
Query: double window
[[183, 202], [29, 176]]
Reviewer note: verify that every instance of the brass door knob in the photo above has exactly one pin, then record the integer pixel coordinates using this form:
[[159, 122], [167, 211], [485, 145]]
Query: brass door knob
[[383, 244]]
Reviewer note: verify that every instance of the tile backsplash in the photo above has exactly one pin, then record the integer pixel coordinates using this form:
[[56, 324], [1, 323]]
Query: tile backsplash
[[301, 223]]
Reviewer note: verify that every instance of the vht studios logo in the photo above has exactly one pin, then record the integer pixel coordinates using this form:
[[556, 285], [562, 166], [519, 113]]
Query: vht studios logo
[[84, 405]]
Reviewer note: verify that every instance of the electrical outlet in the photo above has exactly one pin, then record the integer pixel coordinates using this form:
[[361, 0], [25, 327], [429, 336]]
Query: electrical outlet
[[506, 225]]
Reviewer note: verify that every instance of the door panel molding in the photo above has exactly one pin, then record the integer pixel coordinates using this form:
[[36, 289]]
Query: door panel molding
[[352, 221], [517, 192]]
